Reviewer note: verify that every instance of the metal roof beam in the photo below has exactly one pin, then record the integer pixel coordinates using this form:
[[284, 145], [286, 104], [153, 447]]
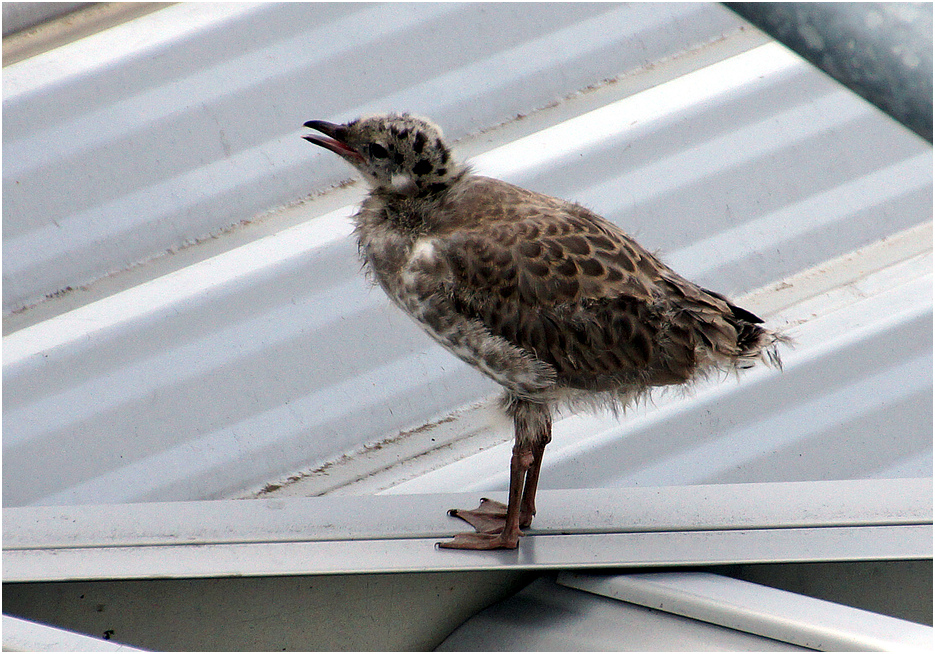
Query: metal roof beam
[[595, 528]]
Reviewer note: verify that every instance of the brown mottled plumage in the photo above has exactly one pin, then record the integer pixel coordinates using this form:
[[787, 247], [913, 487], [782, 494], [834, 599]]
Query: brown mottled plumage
[[553, 302]]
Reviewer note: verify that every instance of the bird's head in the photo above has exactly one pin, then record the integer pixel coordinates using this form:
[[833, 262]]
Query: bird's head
[[397, 152]]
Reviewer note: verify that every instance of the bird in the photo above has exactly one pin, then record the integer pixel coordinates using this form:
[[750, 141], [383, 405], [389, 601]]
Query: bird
[[553, 302]]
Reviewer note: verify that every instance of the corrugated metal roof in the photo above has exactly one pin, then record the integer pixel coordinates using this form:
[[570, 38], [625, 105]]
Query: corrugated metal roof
[[182, 123], [263, 362], [261, 359]]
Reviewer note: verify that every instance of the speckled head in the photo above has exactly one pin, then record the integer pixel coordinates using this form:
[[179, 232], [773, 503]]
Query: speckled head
[[397, 152]]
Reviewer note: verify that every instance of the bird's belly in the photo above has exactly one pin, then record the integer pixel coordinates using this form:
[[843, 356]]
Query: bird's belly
[[413, 277], [476, 346]]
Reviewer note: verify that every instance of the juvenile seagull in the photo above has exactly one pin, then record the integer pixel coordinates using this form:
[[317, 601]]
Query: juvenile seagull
[[551, 301]]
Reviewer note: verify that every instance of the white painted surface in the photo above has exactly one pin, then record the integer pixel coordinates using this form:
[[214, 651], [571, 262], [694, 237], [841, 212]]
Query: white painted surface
[[182, 123], [261, 355], [272, 358], [549, 617], [597, 528], [24, 636], [752, 608]]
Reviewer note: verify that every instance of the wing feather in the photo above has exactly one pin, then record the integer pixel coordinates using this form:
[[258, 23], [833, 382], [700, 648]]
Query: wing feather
[[567, 288], [571, 289]]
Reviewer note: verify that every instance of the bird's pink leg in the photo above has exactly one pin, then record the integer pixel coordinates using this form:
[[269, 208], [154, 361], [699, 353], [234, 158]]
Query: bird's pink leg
[[498, 526], [528, 508]]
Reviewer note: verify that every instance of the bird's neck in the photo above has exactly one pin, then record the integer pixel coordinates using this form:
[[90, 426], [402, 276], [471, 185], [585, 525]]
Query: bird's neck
[[417, 212]]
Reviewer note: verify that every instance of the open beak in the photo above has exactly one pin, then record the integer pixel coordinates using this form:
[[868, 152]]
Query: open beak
[[333, 139]]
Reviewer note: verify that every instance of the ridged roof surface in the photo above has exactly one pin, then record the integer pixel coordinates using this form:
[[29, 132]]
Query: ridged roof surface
[[258, 356]]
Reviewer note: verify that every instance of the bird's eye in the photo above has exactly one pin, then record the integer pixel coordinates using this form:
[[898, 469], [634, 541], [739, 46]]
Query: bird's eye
[[377, 151]]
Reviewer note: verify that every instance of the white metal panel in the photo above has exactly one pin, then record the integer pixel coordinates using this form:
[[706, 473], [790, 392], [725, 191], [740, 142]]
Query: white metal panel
[[697, 508], [750, 523], [351, 613], [548, 617], [274, 358], [182, 123], [626, 612], [537, 552], [769, 612], [24, 636]]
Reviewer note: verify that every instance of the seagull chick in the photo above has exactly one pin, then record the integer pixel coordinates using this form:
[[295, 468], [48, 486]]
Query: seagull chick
[[551, 301]]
